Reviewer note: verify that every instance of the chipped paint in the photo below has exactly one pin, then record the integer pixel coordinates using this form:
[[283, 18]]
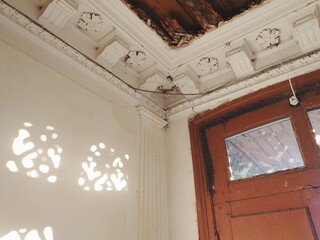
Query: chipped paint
[[179, 22]]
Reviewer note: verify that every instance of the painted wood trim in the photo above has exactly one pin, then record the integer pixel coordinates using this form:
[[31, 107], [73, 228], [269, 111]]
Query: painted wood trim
[[204, 200]]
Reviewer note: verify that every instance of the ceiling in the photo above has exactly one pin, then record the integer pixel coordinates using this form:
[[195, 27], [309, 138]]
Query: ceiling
[[178, 22], [221, 42]]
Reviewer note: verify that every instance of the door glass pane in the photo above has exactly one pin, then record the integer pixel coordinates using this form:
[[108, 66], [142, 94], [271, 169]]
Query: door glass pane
[[263, 150], [314, 117]]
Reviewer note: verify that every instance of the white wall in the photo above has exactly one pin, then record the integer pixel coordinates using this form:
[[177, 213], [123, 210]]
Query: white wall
[[181, 191], [31, 92]]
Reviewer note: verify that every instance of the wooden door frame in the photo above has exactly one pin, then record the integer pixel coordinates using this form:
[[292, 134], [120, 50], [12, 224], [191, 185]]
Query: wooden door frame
[[202, 164]]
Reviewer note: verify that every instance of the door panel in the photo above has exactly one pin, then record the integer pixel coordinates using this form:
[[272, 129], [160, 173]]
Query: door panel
[[267, 204], [279, 205], [223, 213], [290, 224], [245, 207], [311, 198], [274, 184]]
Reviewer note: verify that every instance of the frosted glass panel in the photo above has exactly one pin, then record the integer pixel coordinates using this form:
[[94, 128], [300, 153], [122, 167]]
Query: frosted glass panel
[[263, 150], [314, 117]]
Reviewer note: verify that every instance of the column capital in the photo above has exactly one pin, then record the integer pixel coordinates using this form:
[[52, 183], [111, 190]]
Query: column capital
[[145, 113]]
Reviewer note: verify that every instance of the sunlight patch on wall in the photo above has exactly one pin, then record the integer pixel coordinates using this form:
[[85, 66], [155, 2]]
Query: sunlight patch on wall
[[38, 153], [103, 170], [24, 234]]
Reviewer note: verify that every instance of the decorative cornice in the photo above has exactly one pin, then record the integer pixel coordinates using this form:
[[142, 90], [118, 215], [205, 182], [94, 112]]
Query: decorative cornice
[[262, 77], [207, 64], [307, 30], [142, 111], [90, 22], [57, 13], [216, 96], [240, 58], [112, 48], [268, 38], [136, 59], [154, 81], [76, 56]]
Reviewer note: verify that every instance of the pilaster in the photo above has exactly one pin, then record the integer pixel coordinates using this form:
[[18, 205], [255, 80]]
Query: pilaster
[[153, 209]]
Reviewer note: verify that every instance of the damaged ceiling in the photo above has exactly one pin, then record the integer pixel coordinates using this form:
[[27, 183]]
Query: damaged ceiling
[[107, 38], [178, 22]]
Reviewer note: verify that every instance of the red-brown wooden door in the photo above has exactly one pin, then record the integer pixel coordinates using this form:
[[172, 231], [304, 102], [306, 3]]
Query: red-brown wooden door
[[278, 206]]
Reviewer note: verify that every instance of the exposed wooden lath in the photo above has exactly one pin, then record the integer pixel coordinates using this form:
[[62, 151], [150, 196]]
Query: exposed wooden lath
[[178, 22]]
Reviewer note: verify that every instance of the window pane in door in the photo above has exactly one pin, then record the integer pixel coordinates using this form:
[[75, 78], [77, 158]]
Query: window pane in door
[[267, 149], [314, 117]]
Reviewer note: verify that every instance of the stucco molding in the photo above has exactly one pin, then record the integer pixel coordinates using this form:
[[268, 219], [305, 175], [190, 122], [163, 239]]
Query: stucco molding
[[73, 54], [207, 65], [268, 38], [136, 59], [204, 102], [247, 85], [90, 22], [142, 111]]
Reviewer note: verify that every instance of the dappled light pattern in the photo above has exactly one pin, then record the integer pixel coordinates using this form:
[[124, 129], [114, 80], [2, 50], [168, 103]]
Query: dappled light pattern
[[25, 234], [103, 170], [36, 152], [314, 117]]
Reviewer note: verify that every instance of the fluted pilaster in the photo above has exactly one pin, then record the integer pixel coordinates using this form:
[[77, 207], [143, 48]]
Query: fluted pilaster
[[153, 211]]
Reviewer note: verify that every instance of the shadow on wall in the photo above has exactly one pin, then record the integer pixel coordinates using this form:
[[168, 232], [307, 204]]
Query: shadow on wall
[[38, 154], [42, 153], [103, 170], [25, 234], [39, 157]]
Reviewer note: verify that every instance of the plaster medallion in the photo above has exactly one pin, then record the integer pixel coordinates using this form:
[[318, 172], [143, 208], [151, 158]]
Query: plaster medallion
[[136, 58], [268, 38], [90, 22], [207, 64]]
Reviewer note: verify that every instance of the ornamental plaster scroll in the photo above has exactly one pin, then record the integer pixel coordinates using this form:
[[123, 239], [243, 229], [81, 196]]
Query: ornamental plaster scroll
[[136, 59], [259, 78], [76, 56], [268, 38], [90, 22], [207, 64]]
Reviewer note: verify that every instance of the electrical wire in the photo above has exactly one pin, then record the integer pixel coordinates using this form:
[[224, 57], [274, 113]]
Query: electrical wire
[[114, 75], [289, 79], [184, 94]]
